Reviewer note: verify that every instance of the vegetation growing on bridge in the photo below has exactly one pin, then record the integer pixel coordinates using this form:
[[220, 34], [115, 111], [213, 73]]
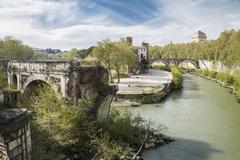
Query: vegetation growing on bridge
[[60, 128], [225, 49]]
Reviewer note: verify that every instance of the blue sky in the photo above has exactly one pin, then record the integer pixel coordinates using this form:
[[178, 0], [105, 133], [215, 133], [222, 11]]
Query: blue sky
[[69, 24]]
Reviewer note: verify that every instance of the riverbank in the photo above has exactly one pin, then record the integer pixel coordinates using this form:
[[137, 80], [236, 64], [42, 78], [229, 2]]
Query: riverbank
[[202, 118], [144, 88], [227, 82]]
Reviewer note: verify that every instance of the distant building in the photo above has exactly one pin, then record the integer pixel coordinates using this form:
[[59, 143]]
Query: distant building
[[199, 36], [141, 51]]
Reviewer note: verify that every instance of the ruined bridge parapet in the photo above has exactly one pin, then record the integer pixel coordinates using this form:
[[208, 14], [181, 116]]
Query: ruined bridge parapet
[[54, 73], [68, 79]]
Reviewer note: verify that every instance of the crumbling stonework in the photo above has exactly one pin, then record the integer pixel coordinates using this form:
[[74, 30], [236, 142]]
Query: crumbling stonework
[[15, 137], [92, 83], [68, 79]]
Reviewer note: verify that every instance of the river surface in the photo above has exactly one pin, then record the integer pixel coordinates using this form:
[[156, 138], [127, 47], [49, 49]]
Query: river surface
[[203, 118]]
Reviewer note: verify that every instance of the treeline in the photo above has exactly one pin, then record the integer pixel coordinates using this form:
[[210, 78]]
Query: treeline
[[14, 49], [226, 49]]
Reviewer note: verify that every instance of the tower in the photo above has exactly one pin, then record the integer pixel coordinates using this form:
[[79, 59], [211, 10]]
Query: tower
[[146, 45]]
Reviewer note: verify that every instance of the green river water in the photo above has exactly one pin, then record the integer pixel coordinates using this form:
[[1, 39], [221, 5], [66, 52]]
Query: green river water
[[203, 118]]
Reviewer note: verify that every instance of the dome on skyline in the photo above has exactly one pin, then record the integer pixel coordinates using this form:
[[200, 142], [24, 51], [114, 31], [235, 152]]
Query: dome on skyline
[[199, 36]]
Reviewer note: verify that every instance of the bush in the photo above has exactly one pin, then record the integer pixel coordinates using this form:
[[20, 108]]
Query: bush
[[161, 67], [212, 74], [204, 72], [177, 77], [226, 78], [61, 128], [236, 83]]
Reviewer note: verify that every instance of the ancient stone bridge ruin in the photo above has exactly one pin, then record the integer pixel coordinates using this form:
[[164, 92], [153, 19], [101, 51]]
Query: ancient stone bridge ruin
[[186, 63], [69, 79]]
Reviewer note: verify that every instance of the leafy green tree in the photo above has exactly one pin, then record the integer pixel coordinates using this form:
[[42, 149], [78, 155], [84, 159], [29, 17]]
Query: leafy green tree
[[40, 56], [103, 52], [114, 56], [122, 56], [226, 48], [72, 54], [11, 48]]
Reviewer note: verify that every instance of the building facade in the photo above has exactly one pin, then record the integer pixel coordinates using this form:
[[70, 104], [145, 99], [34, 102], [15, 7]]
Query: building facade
[[199, 36], [141, 51]]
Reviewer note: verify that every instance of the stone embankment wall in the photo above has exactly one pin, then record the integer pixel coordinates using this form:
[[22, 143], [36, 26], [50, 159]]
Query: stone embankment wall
[[218, 66]]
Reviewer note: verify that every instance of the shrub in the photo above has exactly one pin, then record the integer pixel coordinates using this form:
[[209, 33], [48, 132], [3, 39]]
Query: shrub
[[225, 78], [212, 74], [161, 67], [236, 83], [204, 72], [58, 127], [177, 77]]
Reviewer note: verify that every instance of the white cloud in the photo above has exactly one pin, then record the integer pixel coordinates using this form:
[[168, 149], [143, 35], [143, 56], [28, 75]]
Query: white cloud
[[64, 25]]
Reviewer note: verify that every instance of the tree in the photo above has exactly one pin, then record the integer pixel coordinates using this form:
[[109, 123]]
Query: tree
[[72, 54], [103, 52], [226, 48], [122, 56], [114, 56], [11, 48], [40, 56]]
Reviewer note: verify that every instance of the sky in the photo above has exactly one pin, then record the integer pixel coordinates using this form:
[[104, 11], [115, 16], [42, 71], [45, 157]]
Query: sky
[[67, 24]]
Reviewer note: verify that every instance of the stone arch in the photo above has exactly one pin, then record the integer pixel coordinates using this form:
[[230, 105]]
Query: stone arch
[[160, 62], [32, 90], [38, 81], [189, 64]]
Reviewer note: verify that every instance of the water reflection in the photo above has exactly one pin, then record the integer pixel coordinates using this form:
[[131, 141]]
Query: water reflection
[[183, 149], [205, 119]]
